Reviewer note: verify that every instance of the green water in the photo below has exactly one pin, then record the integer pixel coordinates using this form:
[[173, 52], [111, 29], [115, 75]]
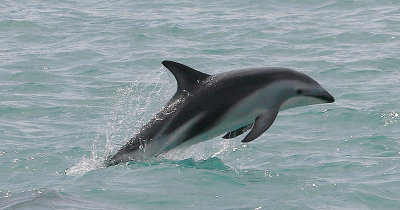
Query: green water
[[78, 78]]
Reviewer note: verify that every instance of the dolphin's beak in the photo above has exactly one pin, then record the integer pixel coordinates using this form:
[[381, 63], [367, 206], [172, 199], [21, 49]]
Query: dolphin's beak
[[326, 97], [322, 95]]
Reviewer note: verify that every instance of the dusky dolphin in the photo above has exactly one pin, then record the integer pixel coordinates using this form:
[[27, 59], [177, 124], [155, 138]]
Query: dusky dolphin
[[205, 106]]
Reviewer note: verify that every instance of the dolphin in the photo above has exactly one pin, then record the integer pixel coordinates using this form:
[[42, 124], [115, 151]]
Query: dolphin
[[206, 106]]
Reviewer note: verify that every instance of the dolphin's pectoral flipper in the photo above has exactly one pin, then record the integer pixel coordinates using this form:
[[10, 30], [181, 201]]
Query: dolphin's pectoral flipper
[[239, 131], [261, 124]]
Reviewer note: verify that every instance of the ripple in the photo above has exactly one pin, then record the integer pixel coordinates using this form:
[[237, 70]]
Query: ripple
[[48, 199]]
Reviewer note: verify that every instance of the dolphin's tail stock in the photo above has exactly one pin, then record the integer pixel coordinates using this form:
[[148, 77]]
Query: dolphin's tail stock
[[108, 161], [125, 154]]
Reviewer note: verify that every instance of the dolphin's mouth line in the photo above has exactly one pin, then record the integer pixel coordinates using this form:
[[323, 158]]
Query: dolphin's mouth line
[[326, 97]]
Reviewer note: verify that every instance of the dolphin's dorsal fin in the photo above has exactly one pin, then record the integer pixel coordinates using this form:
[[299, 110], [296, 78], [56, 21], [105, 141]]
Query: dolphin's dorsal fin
[[186, 77]]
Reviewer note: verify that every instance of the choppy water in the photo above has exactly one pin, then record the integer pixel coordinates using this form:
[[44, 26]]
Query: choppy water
[[77, 78]]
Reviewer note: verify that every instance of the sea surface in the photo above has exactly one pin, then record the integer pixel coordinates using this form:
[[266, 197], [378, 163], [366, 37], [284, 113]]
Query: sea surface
[[79, 78]]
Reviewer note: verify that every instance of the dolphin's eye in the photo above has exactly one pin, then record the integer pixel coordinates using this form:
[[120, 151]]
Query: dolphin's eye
[[299, 91]]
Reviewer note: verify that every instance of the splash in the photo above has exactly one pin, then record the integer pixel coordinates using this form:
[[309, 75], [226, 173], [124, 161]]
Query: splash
[[85, 165], [132, 106], [390, 118]]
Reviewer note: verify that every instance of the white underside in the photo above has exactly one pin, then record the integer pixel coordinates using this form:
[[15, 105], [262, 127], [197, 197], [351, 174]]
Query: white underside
[[300, 101]]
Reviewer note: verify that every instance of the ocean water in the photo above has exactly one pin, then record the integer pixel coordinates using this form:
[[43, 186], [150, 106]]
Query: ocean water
[[78, 78]]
